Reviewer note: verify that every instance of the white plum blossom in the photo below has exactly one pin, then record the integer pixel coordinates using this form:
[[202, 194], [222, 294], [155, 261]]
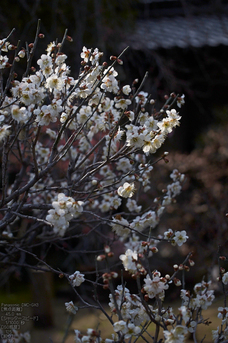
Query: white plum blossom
[[65, 209], [44, 61], [180, 100], [132, 206], [3, 61], [71, 308], [126, 90], [122, 103], [176, 335], [4, 132], [77, 279], [132, 330], [155, 286], [142, 98], [129, 260], [225, 278], [128, 329], [121, 227], [20, 114], [54, 82], [109, 82], [121, 325], [127, 190], [179, 238], [174, 189]]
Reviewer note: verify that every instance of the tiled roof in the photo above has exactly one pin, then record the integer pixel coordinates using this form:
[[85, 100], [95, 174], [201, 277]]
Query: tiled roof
[[169, 32]]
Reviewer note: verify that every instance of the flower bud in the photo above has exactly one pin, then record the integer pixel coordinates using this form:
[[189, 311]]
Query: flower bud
[[21, 54], [107, 249], [191, 262], [114, 275], [69, 38], [222, 258], [11, 47], [146, 297], [101, 258], [154, 250], [177, 282], [41, 35], [222, 270]]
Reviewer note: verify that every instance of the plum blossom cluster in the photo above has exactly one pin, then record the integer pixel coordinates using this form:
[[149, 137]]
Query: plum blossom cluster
[[64, 209], [155, 286]]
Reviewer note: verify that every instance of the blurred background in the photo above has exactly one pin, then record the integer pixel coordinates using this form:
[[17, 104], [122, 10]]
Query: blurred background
[[184, 47]]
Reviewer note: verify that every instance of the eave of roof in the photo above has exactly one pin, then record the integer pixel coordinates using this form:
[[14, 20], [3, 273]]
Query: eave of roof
[[182, 32]]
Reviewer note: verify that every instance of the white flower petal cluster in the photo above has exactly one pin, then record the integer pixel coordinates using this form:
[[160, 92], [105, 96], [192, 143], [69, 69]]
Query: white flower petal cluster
[[91, 336], [128, 329], [3, 61], [71, 308], [177, 237], [129, 260], [109, 82], [4, 131], [176, 335], [225, 278], [130, 305], [65, 209], [203, 298], [77, 278], [127, 190], [155, 286], [121, 227]]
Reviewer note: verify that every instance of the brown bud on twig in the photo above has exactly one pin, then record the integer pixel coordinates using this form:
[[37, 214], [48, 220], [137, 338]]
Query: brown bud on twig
[[69, 38], [222, 258], [11, 47], [146, 297]]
